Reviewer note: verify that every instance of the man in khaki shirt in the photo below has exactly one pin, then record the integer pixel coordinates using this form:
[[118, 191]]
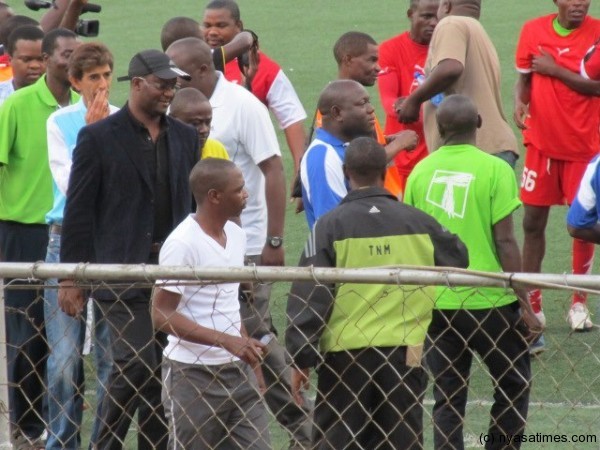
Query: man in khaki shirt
[[463, 60]]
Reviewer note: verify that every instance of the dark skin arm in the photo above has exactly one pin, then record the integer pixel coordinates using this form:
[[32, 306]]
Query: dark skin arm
[[300, 382], [440, 79], [166, 318], [296, 137], [544, 64], [586, 234], [510, 260], [522, 97], [272, 169], [240, 44], [71, 17], [404, 140], [64, 13]]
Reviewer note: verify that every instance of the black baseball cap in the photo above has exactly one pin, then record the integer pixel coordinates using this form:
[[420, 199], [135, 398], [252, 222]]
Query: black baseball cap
[[153, 62]]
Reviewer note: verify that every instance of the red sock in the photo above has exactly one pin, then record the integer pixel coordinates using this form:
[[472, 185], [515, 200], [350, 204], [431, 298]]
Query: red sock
[[583, 259], [535, 298]]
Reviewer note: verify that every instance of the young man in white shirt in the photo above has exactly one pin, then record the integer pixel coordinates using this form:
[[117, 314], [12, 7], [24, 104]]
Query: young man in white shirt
[[208, 358]]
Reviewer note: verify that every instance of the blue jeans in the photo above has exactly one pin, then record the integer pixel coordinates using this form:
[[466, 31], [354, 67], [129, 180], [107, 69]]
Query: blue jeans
[[65, 373]]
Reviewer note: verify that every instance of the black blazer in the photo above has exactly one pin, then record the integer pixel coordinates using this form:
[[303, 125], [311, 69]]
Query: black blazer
[[109, 211]]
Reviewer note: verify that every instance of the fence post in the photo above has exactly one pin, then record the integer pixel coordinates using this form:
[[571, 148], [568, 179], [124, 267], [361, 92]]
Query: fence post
[[4, 414]]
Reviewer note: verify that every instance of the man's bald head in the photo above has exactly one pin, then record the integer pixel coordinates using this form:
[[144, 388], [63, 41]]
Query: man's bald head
[[346, 110], [193, 55], [457, 118], [184, 98], [190, 51], [179, 28], [208, 174], [337, 93], [466, 3]]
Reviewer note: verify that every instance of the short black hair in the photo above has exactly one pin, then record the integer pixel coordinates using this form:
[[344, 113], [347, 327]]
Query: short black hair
[[354, 43], [207, 174], [229, 5], [365, 160], [49, 42], [12, 24], [25, 33]]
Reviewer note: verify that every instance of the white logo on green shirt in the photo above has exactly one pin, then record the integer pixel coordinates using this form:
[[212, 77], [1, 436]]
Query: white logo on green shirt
[[449, 191]]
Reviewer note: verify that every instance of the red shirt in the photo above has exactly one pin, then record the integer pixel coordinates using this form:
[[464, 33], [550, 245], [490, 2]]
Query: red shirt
[[272, 87], [562, 123], [400, 57]]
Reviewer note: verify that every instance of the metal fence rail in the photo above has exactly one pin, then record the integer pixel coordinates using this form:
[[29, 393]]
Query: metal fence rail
[[564, 407]]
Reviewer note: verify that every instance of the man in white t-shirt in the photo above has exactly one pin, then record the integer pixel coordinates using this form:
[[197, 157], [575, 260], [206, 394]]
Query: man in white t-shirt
[[209, 356], [242, 124]]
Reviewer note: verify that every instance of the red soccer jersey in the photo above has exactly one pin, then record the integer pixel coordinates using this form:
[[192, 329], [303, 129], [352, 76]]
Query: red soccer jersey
[[263, 80], [562, 123], [400, 58]]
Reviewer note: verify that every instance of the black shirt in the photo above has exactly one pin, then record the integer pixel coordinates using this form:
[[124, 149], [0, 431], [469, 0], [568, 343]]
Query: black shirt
[[156, 158]]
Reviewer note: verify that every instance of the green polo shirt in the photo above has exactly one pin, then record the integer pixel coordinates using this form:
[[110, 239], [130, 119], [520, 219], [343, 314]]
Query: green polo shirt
[[25, 179]]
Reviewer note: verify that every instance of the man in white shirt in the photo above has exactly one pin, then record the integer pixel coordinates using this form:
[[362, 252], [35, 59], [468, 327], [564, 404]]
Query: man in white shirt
[[242, 124], [209, 356]]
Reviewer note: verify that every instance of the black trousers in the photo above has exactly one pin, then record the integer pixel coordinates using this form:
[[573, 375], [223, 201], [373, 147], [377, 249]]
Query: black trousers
[[496, 335], [369, 399], [134, 382], [26, 348]]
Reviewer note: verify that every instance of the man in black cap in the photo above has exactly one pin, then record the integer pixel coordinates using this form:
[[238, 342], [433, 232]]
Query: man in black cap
[[128, 189]]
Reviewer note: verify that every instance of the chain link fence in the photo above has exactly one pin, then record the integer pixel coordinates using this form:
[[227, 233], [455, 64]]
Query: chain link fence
[[373, 381]]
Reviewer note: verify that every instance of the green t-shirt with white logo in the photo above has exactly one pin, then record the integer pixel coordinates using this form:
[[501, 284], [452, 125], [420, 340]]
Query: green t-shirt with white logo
[[467, 191]]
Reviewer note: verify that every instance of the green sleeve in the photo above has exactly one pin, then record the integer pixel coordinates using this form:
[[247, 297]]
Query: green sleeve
[[7, 131]]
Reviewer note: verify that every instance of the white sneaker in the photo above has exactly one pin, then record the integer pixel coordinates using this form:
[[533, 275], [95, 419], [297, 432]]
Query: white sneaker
[[579, 317], [541, 317]]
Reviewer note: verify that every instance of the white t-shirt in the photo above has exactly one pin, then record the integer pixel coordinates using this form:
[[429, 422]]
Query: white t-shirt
[[213, 306], [242, 124]]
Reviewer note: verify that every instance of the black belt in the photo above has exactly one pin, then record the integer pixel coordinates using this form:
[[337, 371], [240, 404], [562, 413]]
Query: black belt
[[55, 229]]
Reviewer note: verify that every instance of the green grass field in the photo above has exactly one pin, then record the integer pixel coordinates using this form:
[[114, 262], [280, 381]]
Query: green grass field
[[300, 36]]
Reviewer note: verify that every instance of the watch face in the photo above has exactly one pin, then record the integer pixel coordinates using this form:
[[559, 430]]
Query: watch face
[[275, 242]]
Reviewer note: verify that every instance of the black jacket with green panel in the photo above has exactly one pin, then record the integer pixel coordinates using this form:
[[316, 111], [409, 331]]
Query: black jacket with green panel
[[369, 228]]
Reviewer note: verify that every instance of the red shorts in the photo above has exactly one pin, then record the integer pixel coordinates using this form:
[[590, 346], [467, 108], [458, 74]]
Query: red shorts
[[548, 181]]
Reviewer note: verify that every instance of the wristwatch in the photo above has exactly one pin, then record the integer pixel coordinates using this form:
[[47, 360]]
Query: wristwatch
[[275, 241]]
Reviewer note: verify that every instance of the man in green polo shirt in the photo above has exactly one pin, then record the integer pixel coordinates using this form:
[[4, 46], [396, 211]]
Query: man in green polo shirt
[[25, 198], [475, 201]]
